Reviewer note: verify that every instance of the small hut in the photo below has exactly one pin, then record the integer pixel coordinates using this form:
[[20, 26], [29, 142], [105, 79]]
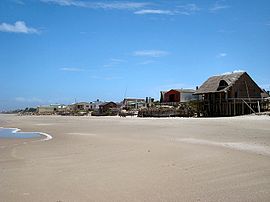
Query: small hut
[[175, 96], [133, 103]]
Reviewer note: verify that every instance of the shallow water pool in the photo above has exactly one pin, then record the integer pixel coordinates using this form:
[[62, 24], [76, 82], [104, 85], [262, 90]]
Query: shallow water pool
[[13, 133]]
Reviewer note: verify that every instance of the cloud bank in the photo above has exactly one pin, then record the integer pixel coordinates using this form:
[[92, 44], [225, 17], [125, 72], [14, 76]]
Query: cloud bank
[[119, 5], [154, 11]]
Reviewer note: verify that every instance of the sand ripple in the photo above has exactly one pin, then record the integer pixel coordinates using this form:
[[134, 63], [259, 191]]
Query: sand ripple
[[242, 146], [83, 134]]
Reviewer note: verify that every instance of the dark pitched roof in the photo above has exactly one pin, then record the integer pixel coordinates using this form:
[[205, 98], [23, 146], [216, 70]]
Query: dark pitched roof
[[212, 84], [106, 103]]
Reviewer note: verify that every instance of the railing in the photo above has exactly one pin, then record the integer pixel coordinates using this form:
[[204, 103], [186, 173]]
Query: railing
[[233, 106]]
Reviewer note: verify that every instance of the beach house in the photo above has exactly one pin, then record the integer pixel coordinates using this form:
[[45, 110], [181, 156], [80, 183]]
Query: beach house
[[133, 103], [94, 106], [175, 96], [107, 106], [80, 106], [51, 109], [230, 94]]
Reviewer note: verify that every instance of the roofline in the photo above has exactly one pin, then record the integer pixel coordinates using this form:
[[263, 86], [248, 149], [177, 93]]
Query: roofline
[[181, 90]]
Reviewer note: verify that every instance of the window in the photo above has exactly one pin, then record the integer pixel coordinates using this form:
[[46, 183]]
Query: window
[[222, 84]]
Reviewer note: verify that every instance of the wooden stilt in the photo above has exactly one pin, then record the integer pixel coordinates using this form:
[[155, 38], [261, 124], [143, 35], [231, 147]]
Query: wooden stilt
[[234, 108], [259, 109]]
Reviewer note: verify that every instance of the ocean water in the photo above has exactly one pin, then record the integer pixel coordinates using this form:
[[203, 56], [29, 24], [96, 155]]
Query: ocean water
[[13, 133]]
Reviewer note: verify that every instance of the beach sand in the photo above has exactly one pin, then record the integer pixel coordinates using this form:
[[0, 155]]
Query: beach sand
[[135, 159]]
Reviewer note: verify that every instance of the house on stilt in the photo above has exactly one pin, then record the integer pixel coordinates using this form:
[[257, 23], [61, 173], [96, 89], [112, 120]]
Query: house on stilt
[[230, 95]]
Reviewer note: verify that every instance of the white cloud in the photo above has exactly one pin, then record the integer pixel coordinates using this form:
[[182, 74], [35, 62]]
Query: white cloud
[[154, 11], [108, 78], [147, 62], [221, 55], [140, 7], [188, 9], [99, 5], [117, 60], [235, 71], [65, 2], [23, 99], [71, 69], [18, 27], [239, 70], [18, 2], [151, 53], [218, 6], [120, 5], [114, 62]]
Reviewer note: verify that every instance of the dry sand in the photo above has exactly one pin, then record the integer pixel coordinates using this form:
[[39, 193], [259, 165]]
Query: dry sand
[[133, 159]]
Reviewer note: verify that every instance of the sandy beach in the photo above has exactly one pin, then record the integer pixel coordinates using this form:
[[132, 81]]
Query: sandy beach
[[135, 159]]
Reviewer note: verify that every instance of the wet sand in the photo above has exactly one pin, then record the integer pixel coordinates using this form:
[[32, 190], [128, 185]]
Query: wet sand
[[133, 159]]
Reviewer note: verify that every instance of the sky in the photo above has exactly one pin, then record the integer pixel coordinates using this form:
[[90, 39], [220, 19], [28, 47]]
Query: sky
[[59, 51]]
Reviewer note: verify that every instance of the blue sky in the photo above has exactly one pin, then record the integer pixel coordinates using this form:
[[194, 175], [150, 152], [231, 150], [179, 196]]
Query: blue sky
[[56, 51]]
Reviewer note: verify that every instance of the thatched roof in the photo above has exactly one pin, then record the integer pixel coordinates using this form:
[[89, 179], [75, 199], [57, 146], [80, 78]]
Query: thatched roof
[[213, 83]]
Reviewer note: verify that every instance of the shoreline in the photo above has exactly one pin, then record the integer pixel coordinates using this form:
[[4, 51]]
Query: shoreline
[[17, 130]]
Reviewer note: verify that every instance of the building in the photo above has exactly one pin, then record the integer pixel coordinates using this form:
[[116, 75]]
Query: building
[[177, 96], [229, 95], [80, 106], [133, 103], [107, 106], [95, 105], [51, 109], [45, 110]]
